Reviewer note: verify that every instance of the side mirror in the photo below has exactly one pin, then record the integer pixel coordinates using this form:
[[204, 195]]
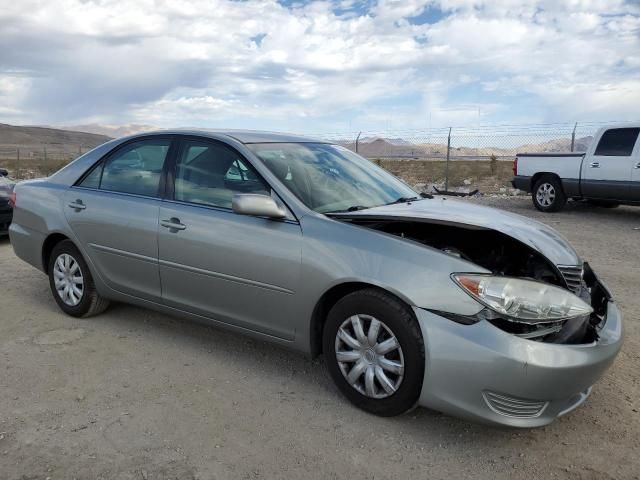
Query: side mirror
[[256, 205]]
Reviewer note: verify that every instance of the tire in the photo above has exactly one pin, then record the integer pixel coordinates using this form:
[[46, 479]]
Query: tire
[[88, 303], [402, 367], [548, 195]]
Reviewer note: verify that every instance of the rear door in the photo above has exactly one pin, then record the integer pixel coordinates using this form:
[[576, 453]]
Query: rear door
[[607, 173], [236, 269], [113, 211]]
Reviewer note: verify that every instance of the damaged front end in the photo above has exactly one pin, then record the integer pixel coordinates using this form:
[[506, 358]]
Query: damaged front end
[[575, 318]]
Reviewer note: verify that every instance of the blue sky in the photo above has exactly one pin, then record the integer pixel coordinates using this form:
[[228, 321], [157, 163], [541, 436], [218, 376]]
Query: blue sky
[[318, 66]]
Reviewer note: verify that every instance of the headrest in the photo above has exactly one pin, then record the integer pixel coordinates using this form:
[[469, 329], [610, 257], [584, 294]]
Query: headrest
[[278, 166]]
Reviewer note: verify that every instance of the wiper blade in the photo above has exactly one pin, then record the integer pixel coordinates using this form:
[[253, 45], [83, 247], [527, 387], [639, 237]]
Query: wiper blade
[[410, 199], [353, 208]]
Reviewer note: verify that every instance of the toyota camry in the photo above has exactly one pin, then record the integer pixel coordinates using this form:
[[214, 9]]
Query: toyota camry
[[412, 300]]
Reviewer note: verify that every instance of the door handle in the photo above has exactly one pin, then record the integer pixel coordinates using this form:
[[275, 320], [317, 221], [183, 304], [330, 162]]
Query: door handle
[[173, 224], [637, 165], [595, 165], [77, 205]]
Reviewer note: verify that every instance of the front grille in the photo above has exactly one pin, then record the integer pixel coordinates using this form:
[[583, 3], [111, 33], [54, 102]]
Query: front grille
[[573, 276], [513, 407]]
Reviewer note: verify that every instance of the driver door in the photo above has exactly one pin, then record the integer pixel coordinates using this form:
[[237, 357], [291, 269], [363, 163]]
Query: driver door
[[236, 269]]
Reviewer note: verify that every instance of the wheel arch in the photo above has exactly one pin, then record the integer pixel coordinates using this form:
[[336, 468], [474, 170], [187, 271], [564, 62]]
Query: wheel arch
[[328, 300], [539, 175], [48, 245]]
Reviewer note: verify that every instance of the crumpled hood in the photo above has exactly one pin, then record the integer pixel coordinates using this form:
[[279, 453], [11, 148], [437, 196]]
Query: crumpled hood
[[535, 234]]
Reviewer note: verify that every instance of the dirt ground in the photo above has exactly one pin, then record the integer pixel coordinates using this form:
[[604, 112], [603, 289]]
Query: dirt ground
[[132, 394]]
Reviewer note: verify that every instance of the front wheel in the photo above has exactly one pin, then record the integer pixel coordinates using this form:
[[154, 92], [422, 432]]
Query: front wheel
[[72, 284], [375, 352], [548, 195]]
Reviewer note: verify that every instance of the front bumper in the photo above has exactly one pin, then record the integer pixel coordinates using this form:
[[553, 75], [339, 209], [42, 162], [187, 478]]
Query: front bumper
[[470, 367]]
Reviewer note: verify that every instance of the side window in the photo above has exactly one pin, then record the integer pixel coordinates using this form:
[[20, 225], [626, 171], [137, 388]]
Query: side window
[[617, 142], [93, 179], [210, 174], [135, 168]]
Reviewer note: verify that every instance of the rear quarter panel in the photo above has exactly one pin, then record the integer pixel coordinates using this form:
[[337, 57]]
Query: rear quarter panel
[[38, 213]]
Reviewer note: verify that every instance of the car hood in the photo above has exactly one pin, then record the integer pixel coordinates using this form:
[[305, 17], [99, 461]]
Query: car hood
[[444, 210]]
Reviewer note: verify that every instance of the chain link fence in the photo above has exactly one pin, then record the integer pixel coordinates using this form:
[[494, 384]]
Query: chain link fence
[[24, 162], [466, 158]]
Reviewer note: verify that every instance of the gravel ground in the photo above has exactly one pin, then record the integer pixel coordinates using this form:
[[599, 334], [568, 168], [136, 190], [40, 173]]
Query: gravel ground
[[133, 394]]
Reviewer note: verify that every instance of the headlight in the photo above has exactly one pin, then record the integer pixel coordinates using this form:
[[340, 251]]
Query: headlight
[[526, 301]]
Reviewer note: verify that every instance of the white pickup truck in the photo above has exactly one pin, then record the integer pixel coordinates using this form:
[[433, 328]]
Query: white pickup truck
[[607, 174]]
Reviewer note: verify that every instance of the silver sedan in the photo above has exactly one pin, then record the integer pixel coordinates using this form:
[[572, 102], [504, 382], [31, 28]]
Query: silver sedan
[[413, 300]]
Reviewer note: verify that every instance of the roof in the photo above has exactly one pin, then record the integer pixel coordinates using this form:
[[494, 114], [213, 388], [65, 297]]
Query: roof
[[243, 136]]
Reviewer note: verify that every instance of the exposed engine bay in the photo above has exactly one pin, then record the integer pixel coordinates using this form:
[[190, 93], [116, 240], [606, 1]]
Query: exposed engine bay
[[506, 256]]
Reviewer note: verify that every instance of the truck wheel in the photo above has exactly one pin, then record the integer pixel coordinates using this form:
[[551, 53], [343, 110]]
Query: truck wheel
[[548, 195]]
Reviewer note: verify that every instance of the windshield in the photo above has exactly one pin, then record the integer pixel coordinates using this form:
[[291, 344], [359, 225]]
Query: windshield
[[330, 178]]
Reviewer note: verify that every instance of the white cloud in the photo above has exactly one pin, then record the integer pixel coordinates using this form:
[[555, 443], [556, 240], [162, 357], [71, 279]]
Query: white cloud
[[258, 62]]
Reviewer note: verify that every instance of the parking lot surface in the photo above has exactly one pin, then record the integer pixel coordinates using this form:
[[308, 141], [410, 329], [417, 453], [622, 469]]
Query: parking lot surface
[[132, 394]]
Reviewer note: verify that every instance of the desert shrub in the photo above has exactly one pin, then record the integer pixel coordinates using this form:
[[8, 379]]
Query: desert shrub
[[493, 164]]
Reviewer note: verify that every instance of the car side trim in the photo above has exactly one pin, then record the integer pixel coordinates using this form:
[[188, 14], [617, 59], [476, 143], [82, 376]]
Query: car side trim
[[122, 253], [607, 189], [224, 276]]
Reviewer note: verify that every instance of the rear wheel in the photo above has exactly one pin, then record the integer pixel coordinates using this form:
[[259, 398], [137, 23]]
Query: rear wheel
[[375, 352], [72, 284], [548, 195]]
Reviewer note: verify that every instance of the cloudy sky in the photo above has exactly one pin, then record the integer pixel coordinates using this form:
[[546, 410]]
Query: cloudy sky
[[318, 66]]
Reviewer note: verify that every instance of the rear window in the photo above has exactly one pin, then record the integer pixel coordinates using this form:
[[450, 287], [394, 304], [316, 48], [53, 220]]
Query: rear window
[[135, 168], [617, 142]]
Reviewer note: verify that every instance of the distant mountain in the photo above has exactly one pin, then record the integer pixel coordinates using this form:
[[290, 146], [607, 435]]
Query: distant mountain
[[28, 137], [392, 141], [557, 145], [378, 147], [113, 131]]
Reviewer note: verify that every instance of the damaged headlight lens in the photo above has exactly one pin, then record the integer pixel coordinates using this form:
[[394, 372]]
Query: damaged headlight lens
[[524, 300]]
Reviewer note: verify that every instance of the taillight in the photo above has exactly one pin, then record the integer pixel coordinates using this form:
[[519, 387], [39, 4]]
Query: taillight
[[12, 199], [515, 166]]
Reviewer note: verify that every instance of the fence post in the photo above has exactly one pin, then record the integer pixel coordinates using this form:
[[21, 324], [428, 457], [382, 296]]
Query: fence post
[[46, 167], [17, 164], [446, 174], [357, 140], [573, 136]]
